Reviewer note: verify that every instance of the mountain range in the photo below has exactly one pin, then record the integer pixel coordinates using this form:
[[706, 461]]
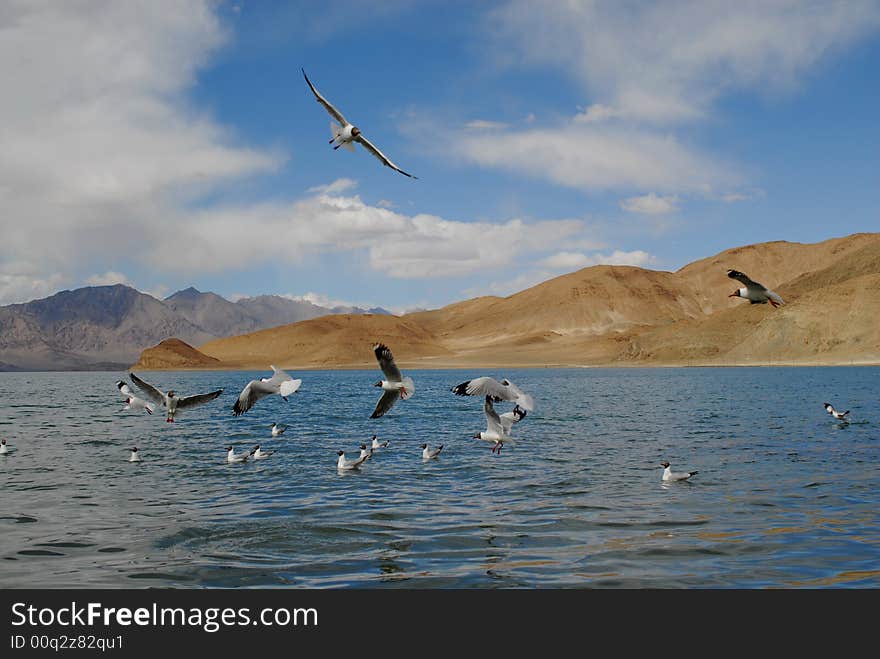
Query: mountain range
[[107, 327], [605, 315]]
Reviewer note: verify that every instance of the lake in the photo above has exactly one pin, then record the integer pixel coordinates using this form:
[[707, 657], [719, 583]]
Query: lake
[[785, 495]]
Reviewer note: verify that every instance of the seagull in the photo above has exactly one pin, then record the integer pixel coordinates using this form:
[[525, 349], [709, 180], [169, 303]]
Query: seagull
[[3, 448], [132, 401], [345, 134], [669, 475], [278, 430], [280, 383], [258, 454], [135, 456], [396, 386], [428, 453], [498, 427], [232, 456], [754, 292], [366, 453], [342, 464], [171, 401], [504, 390], [837, 415], [376, 444]]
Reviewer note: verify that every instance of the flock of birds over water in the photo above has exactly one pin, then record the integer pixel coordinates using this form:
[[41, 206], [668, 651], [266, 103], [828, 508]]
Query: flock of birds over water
[[395, 386]]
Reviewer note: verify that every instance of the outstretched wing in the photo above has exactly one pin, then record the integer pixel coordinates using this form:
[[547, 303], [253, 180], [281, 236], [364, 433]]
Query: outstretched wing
[[198, 399], [336, 114], [773, 295], [124, 389], [253, 391], [741, 277], [385, 403], [508, 419], [493, 421], [386, 362], [369, 146], [498, 391], [152, 393]]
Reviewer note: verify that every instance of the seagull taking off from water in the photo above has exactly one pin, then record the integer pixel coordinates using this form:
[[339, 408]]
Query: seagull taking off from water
[[498, 391], [394, 386], [498, 426], [669, 475], [277, 430], [135, 456], [428, 453], [132, 402], [280, 383], [754, 292], [837, 415], [345, 135], [171, 401], [346, 465]]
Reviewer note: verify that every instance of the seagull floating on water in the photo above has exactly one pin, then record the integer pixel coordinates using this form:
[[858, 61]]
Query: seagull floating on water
[[365, 452], [232, 456], [837, 415], [171, 401], [280, 383], [376, 444], [135, 456], [277, 430], [754, 292], [259, 454], [132, 401], [395, 386], [498, 391], [344, 134], [4, 449], [342, 464], [669, 475], [428, 453]]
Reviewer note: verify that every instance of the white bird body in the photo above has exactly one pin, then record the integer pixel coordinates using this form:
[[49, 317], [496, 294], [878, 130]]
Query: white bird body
[[429, 453], [260, 454], [280, 383], [170, 400], [366, 453], [669, 475], [394, 386], [754, 292], [135, 456], [837, 415], [346, 465], [232, 456], [4, 449], [277, 430], [498, 427], [376, 444], [132, 402]]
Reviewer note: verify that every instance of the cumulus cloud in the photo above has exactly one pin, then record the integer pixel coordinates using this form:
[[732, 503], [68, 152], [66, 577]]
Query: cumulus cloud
[[108, 279], [651, 204], [576, 260], [482, 124], [339, 185]]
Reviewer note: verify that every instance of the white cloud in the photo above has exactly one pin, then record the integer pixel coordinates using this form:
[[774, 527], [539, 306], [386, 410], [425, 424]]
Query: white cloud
[[109, 278], [669, 61], [23, 287], [99, 138], [337, 186], [596, 112], [482, 124], [651, 204], [576, 260]]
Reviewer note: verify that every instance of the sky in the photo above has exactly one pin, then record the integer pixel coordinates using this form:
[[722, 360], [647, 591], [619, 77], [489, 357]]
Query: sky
[[165, 145]]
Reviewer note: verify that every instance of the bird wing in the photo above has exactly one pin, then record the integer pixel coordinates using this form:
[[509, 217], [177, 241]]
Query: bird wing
[[336, 114], [484, 386], [773, 295], [124, 389], [152, 393], [386, 362], [493, 421], [369, 146], [524, 400], [385, 403], [198, 399], [508, 419], [741, 277], [253, 391], [280, 429]]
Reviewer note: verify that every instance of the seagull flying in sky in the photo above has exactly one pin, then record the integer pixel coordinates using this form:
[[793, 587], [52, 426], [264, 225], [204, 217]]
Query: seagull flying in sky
[[344, 134], [280, 383], [171, 401], [394, 386], [754, 292], [498, 391]]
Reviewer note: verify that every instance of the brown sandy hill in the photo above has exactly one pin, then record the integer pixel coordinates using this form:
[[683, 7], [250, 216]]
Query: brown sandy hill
[[173, 354], [330, 341], [607, 315]]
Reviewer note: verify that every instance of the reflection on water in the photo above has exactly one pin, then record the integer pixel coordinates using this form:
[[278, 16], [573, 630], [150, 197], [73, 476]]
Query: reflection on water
[[785, 496]]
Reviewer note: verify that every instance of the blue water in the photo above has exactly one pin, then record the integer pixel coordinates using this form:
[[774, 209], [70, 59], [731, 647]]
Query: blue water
[[785, 495]]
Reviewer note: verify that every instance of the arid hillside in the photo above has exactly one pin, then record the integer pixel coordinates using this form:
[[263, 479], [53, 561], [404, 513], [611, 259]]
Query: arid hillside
[[617, 315]]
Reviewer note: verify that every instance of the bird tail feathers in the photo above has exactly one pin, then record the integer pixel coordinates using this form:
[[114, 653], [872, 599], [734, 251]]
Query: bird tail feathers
[[290, 386], [409, 386]]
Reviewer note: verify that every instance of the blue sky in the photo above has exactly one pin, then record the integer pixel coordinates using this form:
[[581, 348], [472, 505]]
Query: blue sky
[[166, 146]]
